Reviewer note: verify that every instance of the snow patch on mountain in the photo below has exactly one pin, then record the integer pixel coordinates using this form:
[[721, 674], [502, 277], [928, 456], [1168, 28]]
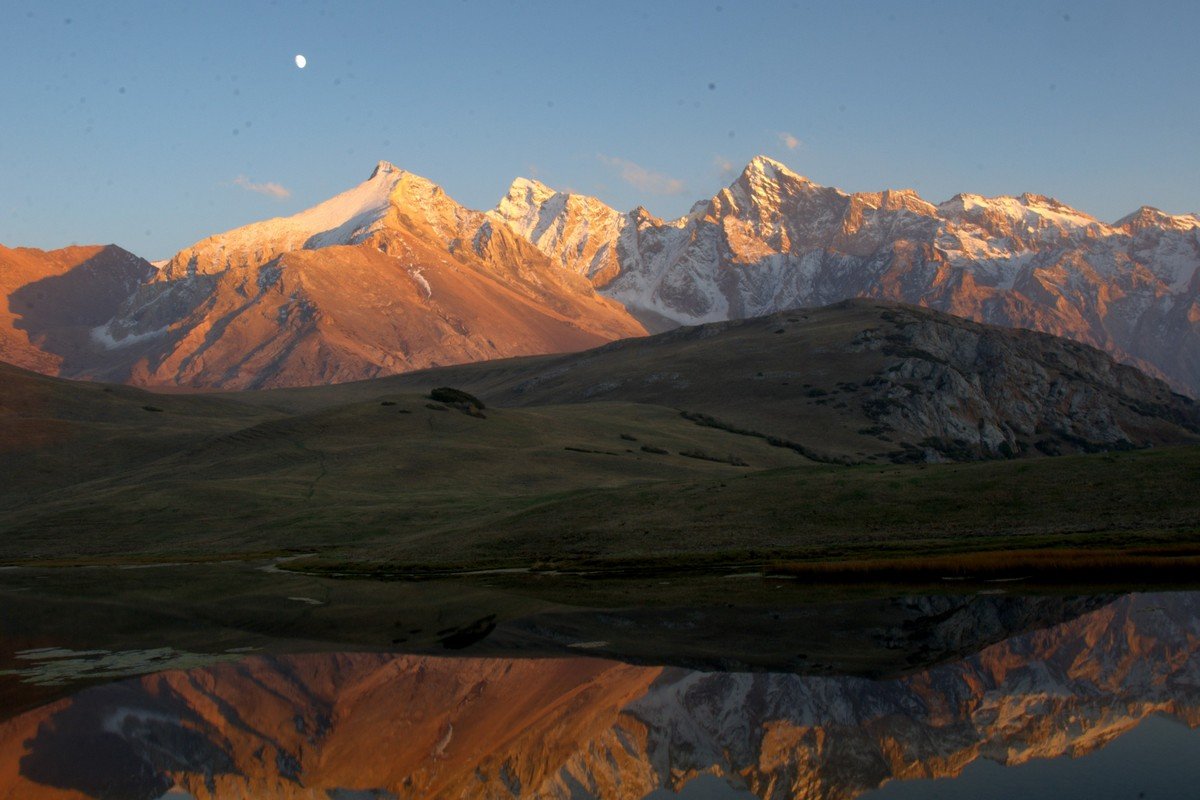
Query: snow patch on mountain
[[103, 336], [346, 218]]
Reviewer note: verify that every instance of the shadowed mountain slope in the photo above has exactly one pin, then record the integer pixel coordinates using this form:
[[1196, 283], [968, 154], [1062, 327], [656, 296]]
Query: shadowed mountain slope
[[859, 380], [53, 304]]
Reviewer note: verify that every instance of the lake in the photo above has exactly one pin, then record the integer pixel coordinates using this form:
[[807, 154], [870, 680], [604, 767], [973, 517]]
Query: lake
[[1102, 701]]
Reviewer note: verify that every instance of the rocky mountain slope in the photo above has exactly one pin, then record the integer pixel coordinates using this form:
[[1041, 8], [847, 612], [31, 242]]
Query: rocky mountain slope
[[861, 380], [374, 725], [52, 303], [774, 240], [390, 276]]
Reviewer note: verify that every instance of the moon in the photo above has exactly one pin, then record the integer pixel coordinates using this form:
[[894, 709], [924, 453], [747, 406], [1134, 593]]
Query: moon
[[301, 61]]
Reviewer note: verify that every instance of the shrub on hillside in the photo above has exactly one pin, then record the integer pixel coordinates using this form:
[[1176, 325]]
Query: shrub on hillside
[[449, 396]]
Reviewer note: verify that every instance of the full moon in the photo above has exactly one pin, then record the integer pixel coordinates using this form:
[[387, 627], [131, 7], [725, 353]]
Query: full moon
[[301, 61]]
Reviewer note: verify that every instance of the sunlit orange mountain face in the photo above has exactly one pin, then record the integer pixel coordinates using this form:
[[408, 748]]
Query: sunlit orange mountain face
[[389, 726], [390, 276], [393, 275]]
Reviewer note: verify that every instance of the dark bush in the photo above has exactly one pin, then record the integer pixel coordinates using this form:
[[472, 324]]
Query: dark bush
[[450, 396]]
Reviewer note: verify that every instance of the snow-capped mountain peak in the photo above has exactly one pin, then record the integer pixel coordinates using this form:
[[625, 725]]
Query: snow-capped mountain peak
[[523, 206], [773, 240], [387, 276], [766, 168], [528, 188], [347, 218], [337, 219], [383, 168], [577, 231], [1150, 217]]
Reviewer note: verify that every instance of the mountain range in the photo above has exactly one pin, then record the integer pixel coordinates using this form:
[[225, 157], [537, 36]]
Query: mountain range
[[773, 240], [394, 275]]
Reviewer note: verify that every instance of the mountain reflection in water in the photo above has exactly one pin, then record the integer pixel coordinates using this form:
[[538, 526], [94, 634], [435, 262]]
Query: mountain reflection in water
[[357, 726]]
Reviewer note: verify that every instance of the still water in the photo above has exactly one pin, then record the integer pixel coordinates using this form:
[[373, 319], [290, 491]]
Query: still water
[[1103, 705]]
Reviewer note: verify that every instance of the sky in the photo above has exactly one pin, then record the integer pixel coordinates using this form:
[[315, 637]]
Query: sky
[[153, 125]]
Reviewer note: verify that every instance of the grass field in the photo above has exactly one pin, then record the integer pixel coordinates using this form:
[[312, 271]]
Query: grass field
[[1110, 508], [571, 488], [748, 445]]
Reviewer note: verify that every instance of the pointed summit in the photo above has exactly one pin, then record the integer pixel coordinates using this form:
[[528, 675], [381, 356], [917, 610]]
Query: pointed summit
[[522, 185], [346, 218], [526, 192], [384, 168], [1151, 217], [762, 167], [523, 206]]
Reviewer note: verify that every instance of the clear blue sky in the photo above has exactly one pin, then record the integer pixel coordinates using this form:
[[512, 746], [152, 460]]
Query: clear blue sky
[[149, 124]]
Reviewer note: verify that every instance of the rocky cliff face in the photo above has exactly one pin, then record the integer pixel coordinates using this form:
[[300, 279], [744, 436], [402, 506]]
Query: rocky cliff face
[[774, 240], [400, 726], [968, 390]]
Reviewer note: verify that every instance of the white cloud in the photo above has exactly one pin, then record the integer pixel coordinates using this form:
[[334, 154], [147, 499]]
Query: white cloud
[[641, 178], [269, 189], [723, 165], [789, 141]]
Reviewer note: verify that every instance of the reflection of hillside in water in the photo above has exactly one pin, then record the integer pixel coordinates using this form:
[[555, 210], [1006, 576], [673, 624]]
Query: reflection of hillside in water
[[412, 726]]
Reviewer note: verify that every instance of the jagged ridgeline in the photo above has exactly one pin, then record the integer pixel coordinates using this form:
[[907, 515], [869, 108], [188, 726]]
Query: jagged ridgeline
[[394, 275], [774, 240]]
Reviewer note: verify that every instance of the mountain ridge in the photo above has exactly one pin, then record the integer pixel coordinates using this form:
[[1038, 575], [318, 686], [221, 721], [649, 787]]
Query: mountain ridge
[[870, 375], [388, 276], [774, 240], [345, 290]]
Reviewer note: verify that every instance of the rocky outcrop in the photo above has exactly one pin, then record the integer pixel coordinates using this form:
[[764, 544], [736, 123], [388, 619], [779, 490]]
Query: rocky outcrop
[[966, 391]]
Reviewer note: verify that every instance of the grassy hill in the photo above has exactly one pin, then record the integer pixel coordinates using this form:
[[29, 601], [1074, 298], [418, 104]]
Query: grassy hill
[[796, 441]]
